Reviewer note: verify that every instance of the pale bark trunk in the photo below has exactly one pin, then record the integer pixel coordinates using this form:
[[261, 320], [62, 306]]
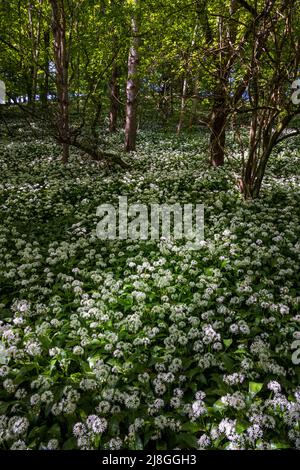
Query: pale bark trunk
[[132, 86], [183, 105], [194, 104], [185, 85]]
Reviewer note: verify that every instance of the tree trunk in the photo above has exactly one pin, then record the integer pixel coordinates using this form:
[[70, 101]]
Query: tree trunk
[[95, 123], [220, 111], [259, 177], [61, 64], [185, 81], [45, 79], [218, 133], [114, 92], [183, 105], [29, 85], [194, 104], [252, 181], [34, 32], [132, 86]]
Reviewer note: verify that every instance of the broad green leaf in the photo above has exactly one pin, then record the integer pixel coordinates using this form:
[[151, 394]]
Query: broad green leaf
[[255, 387]]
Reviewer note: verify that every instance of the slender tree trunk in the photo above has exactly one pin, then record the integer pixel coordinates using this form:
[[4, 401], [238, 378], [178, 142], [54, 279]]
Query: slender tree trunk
[[45, 79], [217, 139], [220, 111], [32, 73], [114, 92], [183, 105], [217, 131], [185, 83], [218, 116], [132, 86], [164, 102], [35, 36], [260, 175], [194, 104], [171, 98], [252, 181], [61, 63], [29, 85], [248, 177], [95, 123]]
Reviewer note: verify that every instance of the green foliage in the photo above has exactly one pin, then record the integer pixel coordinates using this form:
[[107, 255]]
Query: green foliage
[[140, 345]]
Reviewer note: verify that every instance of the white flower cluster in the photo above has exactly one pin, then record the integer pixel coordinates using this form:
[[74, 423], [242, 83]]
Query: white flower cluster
[[114, 339]]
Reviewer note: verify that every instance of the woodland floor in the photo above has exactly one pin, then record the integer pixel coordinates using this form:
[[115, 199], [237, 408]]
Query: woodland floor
[[138, 344]]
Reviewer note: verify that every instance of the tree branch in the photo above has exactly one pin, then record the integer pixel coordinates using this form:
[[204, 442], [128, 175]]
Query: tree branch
[[247, 7]]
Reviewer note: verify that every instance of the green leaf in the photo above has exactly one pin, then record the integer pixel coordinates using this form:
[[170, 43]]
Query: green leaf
[[240, 428], [227, 342], [255, 387], [228, 362], [279, 445], [208, 271], [70, 444], [54, 431], [138, 443], [37, 432], [219, 405], [192, 427], [161, 446], [187, 440], [4, 407]]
